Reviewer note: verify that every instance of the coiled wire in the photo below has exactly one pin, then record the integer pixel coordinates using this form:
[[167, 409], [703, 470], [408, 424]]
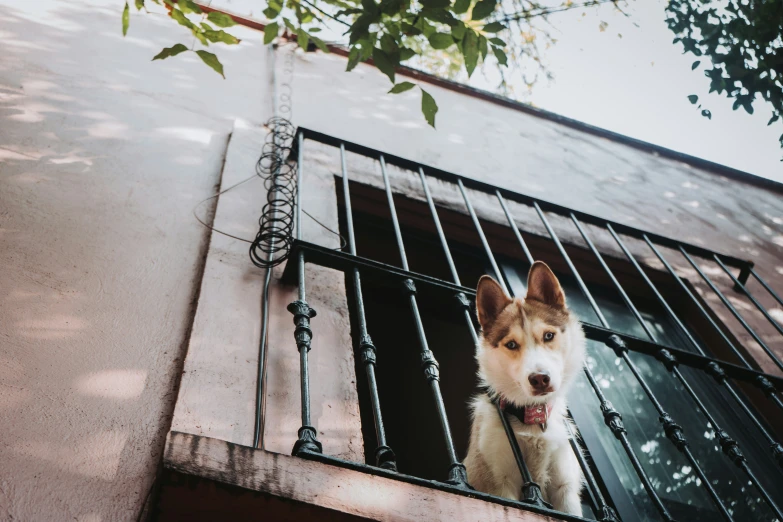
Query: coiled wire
[[272, 244]]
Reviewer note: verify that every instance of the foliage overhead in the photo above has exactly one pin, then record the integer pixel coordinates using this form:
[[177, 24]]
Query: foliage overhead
[[742, 40], [744, 43]]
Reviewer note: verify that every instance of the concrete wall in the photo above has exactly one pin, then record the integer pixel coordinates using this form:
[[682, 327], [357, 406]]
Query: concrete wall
[[103, 156]]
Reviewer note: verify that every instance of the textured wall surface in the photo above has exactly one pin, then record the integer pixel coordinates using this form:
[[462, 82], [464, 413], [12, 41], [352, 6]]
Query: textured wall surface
[[103, 155]]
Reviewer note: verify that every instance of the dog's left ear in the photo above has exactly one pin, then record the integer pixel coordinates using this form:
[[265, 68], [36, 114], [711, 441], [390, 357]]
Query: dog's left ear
[[543, 286]]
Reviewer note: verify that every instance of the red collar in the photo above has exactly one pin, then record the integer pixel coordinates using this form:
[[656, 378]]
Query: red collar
[[535, 414]]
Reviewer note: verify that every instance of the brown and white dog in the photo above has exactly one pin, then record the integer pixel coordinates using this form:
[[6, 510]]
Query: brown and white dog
[[529, 355]]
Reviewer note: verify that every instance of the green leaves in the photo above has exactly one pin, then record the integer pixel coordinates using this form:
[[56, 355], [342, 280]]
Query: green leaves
[[441, 40], [693, 99], [221, 19], [494, 27], [181, 19], [189, 6], [500, 55], [461, 6], [220, 36], [211, 60], [707, 114], [428, 107], [384, 63], [435, 4], [302, 39], [483, 9], [125, 19], [401, 87], [139, 5], [170, 51], [270, 32], [470, 50], [695, 64], [773, 119]]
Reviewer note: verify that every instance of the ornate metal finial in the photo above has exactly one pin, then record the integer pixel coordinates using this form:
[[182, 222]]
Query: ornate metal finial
[[367, 349], [766, 386], [716, 372], [617, 344], [430, 366], [531, 494], [302, 315], [458, 476], [730, 448], [613, 419], [673, 431], [307, 441], [385, 458], [667, 358]]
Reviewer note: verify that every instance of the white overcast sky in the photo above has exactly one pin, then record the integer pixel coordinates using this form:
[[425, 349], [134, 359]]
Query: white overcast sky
[[637, 85]]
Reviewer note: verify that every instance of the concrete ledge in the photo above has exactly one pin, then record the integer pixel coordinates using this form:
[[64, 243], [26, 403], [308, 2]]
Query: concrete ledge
[[338, 490]]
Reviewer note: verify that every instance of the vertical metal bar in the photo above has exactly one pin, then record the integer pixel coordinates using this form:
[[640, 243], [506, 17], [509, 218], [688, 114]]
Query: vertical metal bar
[[534, 488], [483, 238], [729, 445], [439, 228], [766, 286], [738, 284], [395, 221], [612, 417], [733, 310], [384, 456], [457, 474], [302, 313], [673, 431], [717, 372], [514, 227], [531, 492]]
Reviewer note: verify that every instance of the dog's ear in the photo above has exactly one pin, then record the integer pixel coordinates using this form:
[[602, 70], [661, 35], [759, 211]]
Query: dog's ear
[[543, 286], [490, 301]]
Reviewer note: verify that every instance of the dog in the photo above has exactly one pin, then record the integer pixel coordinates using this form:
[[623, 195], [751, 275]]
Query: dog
[[529, 354]]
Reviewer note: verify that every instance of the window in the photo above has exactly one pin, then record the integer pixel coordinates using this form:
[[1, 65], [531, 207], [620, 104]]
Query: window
[[657, 355]]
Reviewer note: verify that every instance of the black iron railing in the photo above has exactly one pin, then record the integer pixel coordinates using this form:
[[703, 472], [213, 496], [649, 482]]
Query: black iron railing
[[724, 373]]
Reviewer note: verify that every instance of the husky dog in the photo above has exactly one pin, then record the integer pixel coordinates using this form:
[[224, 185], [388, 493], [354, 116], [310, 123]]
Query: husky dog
[[529, 355]]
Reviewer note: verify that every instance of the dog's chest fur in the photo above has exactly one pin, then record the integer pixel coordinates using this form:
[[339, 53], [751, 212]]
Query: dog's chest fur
[[491, 459]]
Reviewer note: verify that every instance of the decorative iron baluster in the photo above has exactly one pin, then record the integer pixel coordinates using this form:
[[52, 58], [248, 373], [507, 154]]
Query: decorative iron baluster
[[738, 284], [612, 418], [673, 431], [600, 506], [728, 445], [384, 456], [302, 312], [766, 286], [733, 310], [457, 474], [761, 382], [531, 492]]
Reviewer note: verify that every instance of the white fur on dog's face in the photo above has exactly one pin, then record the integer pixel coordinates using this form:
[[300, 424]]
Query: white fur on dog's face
[[520, 338]]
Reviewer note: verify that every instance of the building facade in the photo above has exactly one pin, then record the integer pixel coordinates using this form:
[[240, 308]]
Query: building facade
[[382, 226]]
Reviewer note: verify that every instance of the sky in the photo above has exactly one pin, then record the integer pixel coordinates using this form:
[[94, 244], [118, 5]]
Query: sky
[[637, 85]]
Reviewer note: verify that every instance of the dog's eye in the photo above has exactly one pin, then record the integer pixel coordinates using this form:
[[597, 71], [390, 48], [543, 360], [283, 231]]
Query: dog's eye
[[548, 336], [512, 345]]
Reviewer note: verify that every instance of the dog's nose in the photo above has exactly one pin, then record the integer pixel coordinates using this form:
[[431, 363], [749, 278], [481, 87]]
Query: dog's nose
[[539, 381]]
